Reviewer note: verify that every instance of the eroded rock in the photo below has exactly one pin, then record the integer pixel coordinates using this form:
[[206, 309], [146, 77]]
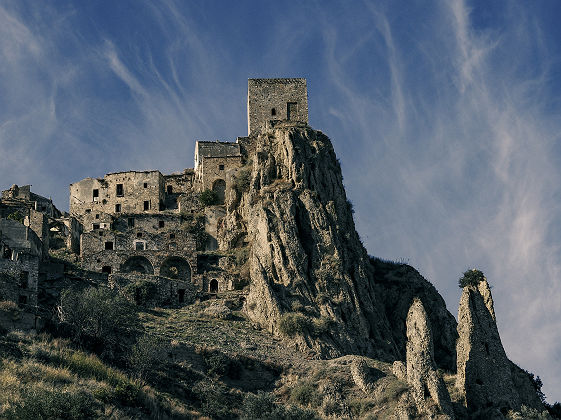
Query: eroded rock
[[427, 387]]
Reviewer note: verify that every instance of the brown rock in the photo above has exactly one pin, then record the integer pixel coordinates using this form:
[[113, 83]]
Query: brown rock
[[427, 387]]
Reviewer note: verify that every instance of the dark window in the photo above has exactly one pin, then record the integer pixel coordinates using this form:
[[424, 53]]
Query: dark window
[[131, 221], [24, 279], [139, 235], [221, 167], [172, 235], [147, 205], [139, 246], [100, 233], [146, 185], [170, 189], [97, 216], [7, 253], [273, 112], [106, 269], [109, 245], [290, 110], [161, 223], [213, 287], [95, 194], [22, 300], [181, 295], [88, 210], [96, 226], [119, 190], [117, 208]]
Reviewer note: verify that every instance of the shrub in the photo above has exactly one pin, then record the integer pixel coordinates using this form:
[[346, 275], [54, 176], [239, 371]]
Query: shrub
[[99, 315], [17, 216], [242, 180], [141, 291], [41, 403], [471, 278], [219, 364], [305, 393], [148, 354], [208, 198], [294, 323], [262, 406]]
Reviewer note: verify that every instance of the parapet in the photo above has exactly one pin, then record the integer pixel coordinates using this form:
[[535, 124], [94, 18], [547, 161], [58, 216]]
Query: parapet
[[276, 99]]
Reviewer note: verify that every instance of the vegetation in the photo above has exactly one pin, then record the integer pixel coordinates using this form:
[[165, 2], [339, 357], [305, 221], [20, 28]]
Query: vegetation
[[471, 278], [17, 216], [195, 224], [242, 179], [98, 318], [141, 291], [294, 323], [208, 198], [262, 406]]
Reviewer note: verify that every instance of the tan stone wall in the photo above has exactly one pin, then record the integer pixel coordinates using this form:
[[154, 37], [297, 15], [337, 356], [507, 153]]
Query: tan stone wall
[[209, 170], [138, 188], [264, 95]]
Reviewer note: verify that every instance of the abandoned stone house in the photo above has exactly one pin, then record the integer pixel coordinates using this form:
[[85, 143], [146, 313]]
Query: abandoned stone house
[[144, 224]]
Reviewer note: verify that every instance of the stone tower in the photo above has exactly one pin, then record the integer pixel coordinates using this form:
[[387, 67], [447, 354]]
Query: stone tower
[[275, 99]]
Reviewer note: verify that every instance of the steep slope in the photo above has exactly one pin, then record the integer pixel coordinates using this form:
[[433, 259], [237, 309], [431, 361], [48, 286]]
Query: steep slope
[[310, 274]]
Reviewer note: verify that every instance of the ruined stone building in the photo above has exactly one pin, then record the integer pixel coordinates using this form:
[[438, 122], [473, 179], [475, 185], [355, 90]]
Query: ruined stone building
[[145, 223]]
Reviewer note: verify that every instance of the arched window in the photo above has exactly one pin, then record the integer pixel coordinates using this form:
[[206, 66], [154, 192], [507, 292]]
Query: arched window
[[176, 268]]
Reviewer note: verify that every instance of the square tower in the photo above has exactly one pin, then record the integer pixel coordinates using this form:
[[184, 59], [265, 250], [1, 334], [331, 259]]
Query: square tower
[[275, 99]]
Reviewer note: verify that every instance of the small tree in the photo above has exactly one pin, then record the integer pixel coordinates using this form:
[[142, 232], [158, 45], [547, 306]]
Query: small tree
[[471, 278], [208, 197], [99, 315]]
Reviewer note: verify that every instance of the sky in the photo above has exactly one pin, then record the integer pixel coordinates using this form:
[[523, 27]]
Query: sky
[[445, 116]]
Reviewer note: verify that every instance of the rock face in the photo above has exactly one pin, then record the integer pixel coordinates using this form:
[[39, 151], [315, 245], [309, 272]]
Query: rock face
[[427, 387], [306, 255], [485, 376]]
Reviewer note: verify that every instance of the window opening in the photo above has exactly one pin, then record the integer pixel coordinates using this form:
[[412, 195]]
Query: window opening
[[24, 279], [109, 245], [139, 235], [120, 190], [147, 205], [139, 246], [117, 208], [131, 221], [220, 167], [95, 226], [273, 112], [22, 300], [170, 189], [95, 194], [97, 216], [106, 269], [146, 185], [290, 110], [161, 223]]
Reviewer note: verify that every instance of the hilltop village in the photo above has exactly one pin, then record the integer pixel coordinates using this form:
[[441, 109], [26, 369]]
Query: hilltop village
[[135, 224]]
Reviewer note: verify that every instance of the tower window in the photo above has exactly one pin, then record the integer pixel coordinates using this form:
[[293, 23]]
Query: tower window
[[119, 190], [291, 110], [117, 208], [147, 205], [221, 167], [273, 112], [95, 194], [146, 185]]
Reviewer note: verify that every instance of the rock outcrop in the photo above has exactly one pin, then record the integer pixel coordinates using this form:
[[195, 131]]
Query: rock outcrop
[[485, 376], [306, 255], [427, 387]]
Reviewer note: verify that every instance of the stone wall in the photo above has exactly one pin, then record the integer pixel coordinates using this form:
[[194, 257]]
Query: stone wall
[[213, 169], [269, 99], [122, 192]]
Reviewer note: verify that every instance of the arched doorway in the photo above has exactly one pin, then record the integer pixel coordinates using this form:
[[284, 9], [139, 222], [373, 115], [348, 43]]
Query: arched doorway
[[213, 286], [137, 264], [219, 188], [176, 268]]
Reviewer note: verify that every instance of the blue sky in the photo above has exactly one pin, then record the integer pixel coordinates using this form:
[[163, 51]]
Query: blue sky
[[445, 116]]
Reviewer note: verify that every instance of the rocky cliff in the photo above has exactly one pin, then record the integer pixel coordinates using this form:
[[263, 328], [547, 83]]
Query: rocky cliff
[[310, 274]]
